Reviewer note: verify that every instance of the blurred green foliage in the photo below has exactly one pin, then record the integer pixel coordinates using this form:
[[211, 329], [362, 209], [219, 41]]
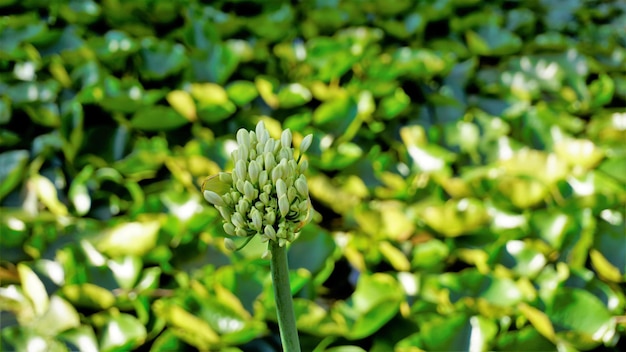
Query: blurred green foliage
[[468, 173]]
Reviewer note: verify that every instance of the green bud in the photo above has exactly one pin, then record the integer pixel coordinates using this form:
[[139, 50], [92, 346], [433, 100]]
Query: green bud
[[225, 177], [281, 188], [230, 244], [240, 186], [306, 143], [285, 138], [229, 228], [283, 205], [269, 146], [264, 198], [214, 198], [302, 187], [250, 192], [291, 194], [225, 212], [237, 220], [253, 171], [241, 232], [243, 206], [304, 164], [261, 133], [263, 178], [243, 152], [257, 219], [270, 216], [270, 232], [277, 173], [240, 169], [243, 137], [270, 162]]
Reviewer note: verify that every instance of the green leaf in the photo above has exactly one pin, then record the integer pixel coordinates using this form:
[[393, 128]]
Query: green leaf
[[59, 317], [12, 168], [492, 40], [126, 270], [34, 289], [130, 238], [241, 92], [375, 301], [293, 95], [565, 311], [187, 326], [609, 256], [161, 59], [336, 114], [88, 295], [157, 118], [458, 333], [81, 339], [122, 332]]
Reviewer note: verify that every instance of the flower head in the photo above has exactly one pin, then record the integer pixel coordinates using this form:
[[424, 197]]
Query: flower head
[[266, 194]]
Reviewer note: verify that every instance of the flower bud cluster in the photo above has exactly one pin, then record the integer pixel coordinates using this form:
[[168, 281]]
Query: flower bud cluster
[[268, 193]]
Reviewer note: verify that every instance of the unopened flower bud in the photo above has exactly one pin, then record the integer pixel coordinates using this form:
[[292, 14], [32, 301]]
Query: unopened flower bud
[[283, 205], [285, 139], [257, 219], [240, 169], [237, 220], [270, 232], [243, 138], [225, 177], [281, 188], [229, 228], [214, 198], [301, 186], [306, 143], [230, 244], [263, 178], [250, 192], [253, 171]]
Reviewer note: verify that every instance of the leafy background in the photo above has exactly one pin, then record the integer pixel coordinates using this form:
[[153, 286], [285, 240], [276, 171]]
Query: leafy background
[[468, 173]]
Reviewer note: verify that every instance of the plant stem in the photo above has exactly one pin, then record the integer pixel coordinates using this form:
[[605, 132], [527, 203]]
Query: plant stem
[[284, 302]]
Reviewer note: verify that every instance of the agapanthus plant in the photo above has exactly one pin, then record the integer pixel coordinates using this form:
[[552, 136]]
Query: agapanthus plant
[[266, 195]]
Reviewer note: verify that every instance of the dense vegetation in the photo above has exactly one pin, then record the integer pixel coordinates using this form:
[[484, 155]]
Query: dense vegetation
[[468, 173]]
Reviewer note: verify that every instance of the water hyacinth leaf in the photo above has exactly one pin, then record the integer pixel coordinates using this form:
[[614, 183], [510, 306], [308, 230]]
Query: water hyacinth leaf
[[158, 118], [121, 332]]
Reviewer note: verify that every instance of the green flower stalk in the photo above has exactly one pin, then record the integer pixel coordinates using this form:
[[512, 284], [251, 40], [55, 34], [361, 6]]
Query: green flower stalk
[[266, 195]]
